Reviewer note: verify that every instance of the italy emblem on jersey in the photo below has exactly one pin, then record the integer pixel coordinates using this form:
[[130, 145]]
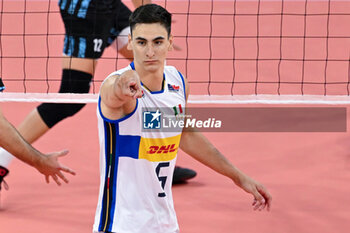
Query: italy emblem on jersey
[[177, 110], [152, 119], [173, 87]]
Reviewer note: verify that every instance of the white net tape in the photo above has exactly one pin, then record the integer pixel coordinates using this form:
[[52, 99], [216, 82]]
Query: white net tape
[[194, 99]]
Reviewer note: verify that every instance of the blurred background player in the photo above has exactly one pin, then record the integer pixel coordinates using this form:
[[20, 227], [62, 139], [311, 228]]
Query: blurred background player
[[90, 27]]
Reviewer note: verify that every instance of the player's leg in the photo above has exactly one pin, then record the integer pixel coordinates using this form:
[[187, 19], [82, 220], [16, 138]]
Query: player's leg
[[35, 125], [46, 115]]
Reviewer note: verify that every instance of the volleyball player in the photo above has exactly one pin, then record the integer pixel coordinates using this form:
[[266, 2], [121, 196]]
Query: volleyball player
[[119, 34], [136, 165], [47, 164], [91, 26]]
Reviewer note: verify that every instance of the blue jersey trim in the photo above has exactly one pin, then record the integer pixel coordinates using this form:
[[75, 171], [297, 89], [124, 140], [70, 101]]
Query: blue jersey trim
[[114, 185], [112, 166], [157, 92], [103, 206], [132, 65], [119, 120], [183, 82]]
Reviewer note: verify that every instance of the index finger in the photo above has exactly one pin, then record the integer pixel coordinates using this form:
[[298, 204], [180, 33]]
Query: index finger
[[137, 91], [137, 85], [133, 87]]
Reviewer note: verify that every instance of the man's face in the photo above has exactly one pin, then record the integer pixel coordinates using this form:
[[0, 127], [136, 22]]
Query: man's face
[[150, 45]]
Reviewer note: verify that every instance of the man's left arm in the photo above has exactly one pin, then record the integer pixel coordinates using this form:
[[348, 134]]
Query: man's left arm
[[200, 148]]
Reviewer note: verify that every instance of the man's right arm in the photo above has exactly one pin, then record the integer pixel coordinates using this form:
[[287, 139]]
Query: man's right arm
[[119, 94]]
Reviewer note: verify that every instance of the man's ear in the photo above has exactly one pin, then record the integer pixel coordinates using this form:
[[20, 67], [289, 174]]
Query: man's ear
[[171, 42], [129, 47]]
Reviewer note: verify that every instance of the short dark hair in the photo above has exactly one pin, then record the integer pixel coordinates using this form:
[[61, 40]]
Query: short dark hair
[[151, 13]]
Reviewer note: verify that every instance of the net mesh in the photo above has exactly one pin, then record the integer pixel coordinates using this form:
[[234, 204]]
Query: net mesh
[[229, 49]]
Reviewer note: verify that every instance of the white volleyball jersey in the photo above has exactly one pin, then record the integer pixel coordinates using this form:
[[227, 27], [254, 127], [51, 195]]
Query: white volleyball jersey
[[136, 165]]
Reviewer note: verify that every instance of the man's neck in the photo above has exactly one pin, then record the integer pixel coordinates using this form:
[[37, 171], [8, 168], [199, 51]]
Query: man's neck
[[151, 80]]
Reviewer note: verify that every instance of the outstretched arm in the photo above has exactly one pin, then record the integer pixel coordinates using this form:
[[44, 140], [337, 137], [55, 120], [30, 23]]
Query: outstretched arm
[[199, 147], [48, 164], [119, 94]]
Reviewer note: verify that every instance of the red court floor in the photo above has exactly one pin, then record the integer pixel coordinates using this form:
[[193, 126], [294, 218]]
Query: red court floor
[[306, 173]]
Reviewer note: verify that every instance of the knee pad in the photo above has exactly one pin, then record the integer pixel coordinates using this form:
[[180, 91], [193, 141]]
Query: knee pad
[[73, 81]]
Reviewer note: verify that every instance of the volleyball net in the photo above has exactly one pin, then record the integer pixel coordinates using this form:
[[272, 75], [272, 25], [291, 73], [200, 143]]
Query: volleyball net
[[231, 51]]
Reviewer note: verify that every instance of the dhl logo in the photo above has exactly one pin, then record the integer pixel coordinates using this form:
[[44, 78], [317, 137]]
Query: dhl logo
[[162, 149], [159, 149]]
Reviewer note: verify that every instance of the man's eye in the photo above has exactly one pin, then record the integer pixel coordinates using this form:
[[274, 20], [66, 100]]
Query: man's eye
[[158, 42], [141, 42]]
